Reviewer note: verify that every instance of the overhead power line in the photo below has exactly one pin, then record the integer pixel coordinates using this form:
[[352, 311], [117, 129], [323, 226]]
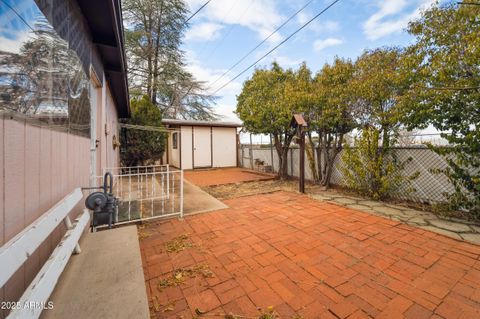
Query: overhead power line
[[232, 26], [278, 45], [18, 15], [199, 9], [450, 88], [206, 44], [263, 41], [470, 3], [145, 128]]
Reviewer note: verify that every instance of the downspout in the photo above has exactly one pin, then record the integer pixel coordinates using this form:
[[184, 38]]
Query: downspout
[[93, 130]]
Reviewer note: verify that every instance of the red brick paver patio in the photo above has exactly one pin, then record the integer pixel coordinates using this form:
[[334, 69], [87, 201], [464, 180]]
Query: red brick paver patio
[[310, 259], [221, 176]]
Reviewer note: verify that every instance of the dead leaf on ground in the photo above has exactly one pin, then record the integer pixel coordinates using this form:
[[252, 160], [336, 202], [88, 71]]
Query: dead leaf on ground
[[156, 305], [178, 244], [179, 276], [169, 307], [199, 311]]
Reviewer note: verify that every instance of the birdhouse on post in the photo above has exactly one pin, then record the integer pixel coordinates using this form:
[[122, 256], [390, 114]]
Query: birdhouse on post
[[300, 125]]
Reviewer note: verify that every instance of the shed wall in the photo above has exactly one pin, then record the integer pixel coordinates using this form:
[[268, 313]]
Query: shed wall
[[224, 144], [223, 147], [186, 146]]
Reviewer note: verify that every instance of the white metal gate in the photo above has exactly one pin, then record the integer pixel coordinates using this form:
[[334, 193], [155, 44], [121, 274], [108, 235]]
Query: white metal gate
[[146, 192]]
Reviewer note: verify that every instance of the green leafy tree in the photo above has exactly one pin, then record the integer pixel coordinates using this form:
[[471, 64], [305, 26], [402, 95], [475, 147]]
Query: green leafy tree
[[330, 114], [370, 172], [301, 93], [142, 147], [377, 86], [446, 93], [265, 108]]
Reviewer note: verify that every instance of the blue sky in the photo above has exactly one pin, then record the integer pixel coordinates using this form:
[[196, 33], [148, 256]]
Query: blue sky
[[13, 31], [225, 30]]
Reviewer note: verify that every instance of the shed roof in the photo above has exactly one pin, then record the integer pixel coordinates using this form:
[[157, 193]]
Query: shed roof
[[104, 18], [200, 123]]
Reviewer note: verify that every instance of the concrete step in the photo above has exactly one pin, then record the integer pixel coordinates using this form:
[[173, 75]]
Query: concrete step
[[104, 281]]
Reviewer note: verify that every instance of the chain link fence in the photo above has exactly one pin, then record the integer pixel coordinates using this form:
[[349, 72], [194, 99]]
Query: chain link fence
[[428, 187]]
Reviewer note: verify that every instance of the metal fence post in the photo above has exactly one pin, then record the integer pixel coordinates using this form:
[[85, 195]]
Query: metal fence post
[[168, 181], [291, 161], [181, 194], [241, 147], [251, 152]]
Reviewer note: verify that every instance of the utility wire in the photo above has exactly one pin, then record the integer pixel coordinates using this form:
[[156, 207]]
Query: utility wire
[[199, 9], [449, 88], [146, 128], [262, 42], [278, 45], [18, 15], [228, 32], [206, 43]]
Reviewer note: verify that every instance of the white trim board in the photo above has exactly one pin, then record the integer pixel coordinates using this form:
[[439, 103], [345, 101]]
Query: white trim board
[[43, 284], [17, 250]]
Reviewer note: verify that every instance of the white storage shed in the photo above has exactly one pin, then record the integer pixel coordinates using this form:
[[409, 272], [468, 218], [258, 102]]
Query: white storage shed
[[201, 144]]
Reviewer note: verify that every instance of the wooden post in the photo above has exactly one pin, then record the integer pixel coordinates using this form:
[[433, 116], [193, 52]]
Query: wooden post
[[299, 124], [301, 184]]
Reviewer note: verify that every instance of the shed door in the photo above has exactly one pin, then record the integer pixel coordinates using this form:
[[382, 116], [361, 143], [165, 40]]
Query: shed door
[[202, 147]]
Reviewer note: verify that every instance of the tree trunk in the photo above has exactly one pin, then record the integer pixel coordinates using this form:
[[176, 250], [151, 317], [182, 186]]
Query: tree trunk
[[148, 32], [156, 65], [310, 149], [385, 140], [282, 152], [325, 145], [278, 149], [284, 171], [329, 162], [319, 163], [330, 153]]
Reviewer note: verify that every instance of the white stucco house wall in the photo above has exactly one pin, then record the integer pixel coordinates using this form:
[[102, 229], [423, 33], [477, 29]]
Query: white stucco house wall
[[201, 144]]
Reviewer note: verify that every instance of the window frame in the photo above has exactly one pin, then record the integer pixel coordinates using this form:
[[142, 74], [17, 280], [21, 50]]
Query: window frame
[[175, 140]]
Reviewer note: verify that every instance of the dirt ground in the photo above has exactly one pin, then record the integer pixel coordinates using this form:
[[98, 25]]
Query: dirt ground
[[240, 189], [254, 188], [222, 176]]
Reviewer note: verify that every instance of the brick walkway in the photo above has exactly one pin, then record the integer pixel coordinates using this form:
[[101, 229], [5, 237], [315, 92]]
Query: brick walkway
[[308, 259], [224, 176]]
